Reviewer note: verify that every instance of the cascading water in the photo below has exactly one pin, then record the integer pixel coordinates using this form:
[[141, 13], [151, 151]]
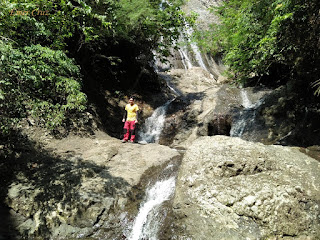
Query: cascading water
[[247, 116], [153, 210], [185, 59], [195, 49], [189, 52], [153, 126], [150, 216], [146, 225], [246, 103], [148, 220]]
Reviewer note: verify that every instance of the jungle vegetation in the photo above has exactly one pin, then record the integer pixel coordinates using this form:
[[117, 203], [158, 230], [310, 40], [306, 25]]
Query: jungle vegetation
[[55, 54], [267, 40]]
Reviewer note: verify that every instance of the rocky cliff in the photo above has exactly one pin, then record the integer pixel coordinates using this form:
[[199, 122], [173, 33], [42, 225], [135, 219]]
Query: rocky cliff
[[229, 188]]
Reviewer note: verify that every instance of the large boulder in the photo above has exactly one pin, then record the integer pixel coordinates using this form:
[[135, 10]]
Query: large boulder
[[229, 188], [80, 186]]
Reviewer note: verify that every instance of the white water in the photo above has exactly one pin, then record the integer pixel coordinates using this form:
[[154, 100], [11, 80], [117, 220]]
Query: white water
[[155, 196], [195, 49], [246, 103], [185, 59], [247, 116], [153, 125], [237, 128]]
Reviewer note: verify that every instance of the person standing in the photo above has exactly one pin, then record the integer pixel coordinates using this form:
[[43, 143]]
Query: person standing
[[130, 119]]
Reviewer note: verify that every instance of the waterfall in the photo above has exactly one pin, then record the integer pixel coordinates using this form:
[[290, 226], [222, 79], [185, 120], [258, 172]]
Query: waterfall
[[247, 116], [146, 223], [153, 210], [195, 49], [189, 52], [185, 59], [153, 125], [246, 103]]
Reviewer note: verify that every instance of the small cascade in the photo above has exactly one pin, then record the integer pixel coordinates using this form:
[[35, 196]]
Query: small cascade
[[155, 206], [172, 88], [195, 49], [247, 116], [185, 59], [146, 224], [187, 55], [153, 125], [246, 103]]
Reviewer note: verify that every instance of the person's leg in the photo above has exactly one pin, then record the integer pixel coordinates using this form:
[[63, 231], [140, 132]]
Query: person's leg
[[133, 131], [126, 130]]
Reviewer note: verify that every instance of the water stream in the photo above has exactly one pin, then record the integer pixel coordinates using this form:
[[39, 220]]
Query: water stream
[[152, 128], [146, 224], [246, 103], [195, 49], [153, 211], [149, 219], [247, 116], [153, 125], [185, 59]]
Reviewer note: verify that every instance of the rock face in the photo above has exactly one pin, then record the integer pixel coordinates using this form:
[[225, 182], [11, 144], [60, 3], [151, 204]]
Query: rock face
[[202, 8], [232, 189], [204, 108], [191, 109], [290, 116], [84, 188]]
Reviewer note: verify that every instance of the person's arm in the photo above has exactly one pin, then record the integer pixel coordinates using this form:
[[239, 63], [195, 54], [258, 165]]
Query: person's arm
[[124, 116], [137, 116]]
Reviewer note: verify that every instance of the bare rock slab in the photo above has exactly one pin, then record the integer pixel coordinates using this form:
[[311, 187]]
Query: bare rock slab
[[229, 188], [81, 185]]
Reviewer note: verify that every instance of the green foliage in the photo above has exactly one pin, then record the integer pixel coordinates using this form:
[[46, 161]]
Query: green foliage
[[316, 85], [53, 22], [40, 82], [154, 23], [261, 38], [38, 77]]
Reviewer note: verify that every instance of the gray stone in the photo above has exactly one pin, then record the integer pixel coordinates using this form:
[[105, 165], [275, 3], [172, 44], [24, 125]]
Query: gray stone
[[232, 189], [88, 185]]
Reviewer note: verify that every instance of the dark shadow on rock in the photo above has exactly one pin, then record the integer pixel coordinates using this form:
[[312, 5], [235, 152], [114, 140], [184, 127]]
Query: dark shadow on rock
[[53, 179], [113, 69], [180, 117], [219, 125], [182, 102], [287, 115], [7, 230]]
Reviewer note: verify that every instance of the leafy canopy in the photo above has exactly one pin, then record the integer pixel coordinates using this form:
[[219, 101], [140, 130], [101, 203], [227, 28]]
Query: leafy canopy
[[267, 37], [39, 82], [39, 78]]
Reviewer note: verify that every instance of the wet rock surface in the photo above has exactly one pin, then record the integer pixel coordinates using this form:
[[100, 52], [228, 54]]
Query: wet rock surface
[[290, 117], [271, 116], [229, 188], [206, 107], [83, 188]]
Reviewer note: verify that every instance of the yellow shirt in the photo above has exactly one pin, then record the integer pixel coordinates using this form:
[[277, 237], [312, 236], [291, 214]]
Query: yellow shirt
[[132, 112]]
